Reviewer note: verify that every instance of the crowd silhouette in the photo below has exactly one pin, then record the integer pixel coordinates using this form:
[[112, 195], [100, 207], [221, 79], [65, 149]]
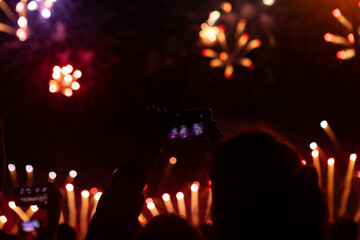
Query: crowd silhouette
[[260, 188]]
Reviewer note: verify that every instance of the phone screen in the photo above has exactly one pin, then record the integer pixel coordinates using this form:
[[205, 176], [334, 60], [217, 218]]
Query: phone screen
[[25, 196], [187, 124], [30, 226]]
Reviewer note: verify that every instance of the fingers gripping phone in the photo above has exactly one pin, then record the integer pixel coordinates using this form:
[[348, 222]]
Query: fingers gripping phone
[[187, 124]]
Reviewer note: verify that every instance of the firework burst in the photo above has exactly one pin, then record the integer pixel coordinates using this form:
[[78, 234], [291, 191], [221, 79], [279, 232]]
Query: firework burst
[[348, 41]]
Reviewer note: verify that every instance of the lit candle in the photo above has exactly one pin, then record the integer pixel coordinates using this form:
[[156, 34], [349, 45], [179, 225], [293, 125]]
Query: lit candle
[[195, 203], [151, 206], [142, 219], [19, 211], [72, 175], [330, 188], [347, 185], [3, 220], [13, 175], [181, 204], [316, 162], [32, 209], [71, 204], [330, 133], [168, 204], [29, 175], [84, 213], [51, 177], [96, 201]]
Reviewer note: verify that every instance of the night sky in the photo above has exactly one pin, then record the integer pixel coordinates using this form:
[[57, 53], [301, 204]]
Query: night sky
[[138, 53]]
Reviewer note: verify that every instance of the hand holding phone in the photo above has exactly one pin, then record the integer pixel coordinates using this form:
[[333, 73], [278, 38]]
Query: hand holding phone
[[26, 196]]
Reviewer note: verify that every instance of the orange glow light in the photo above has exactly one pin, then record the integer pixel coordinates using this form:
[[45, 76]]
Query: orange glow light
[[315, 153], [341, 55], [331, 161], [75, 86], [150, 205], [226, 7], [97, 196], [336, 13], [69, 187], [172, 160], [3, 219], [166, 197], [195, 187], [68, 92], [329, 37], [34, 208], [77, 74], [303, 162], [351, 38], [353, 157], [179, 195], [223, 56], [85, 194], [53, 88], [12, 204], [21, 34], [93, 190]]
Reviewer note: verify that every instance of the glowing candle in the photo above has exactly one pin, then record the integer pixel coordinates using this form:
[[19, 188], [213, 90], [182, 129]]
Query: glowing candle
[[84, 213], [316, 162], [72, 175], [71, 204], [13, 175], [52, 177], [151, 206], [29, 175], [347, 185], [330, 133], [19, 211], [330, 188], [168, 204], [142, 219], [181, 204], [96, 201], [32, 209], [3, 220], [195, 203]]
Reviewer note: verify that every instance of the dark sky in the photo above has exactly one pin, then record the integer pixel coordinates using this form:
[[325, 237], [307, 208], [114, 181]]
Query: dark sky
[[135, 53]]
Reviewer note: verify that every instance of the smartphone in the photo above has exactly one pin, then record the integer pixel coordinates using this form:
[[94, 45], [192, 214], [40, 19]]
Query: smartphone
[[26, 196], [187, 124], [30, 226]]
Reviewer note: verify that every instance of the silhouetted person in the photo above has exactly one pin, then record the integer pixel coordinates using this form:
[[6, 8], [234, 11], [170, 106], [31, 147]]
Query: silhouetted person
[[261, 191], [344, 228], [169, 227], [66, 232]]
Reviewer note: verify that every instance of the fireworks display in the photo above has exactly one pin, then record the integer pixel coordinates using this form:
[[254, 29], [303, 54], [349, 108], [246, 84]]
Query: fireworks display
[[349, 41], [65, 80]]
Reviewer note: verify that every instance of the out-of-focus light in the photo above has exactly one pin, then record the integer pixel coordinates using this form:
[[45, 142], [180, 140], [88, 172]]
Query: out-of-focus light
[[303, 162], [68, 92], [22, 21], [214, 15], [145, 187], [11, 167], [52, 175], [56, 75], [313, 145], [12, 204], [195, 187], [75, 86], [341, 55], [336, 13], [53, 88], [67, 78], [73, 173], [331, 161], [57, 69], [32, 6], [329, 37], [3, 219], [166, 197], [148, 200], [172, 160], [48, 4], [324, 124], [19, 7], [353, 157], [226, 7], [315, 153], [21, 34], [85, 194], [29, 168], [268, 2], [97, 195], [69, 187], [150, 205], [223, 56], [46, 13], [69, 68], [346, 54], [77, 74], [351, 38], [179, 195], [34, 208], [208, 32], [93, 190]]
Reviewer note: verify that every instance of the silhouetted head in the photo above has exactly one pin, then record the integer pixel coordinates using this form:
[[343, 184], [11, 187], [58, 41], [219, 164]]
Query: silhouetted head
[[66, 232], [168, 226], [261, 190]]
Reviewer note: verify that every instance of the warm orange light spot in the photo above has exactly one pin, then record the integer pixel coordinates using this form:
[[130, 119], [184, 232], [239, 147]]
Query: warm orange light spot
[[179, 195], [85, 194], [172, 160], [195, 187], [226, 7], [315, 153], [148, 200], [12, 204], [3, 219], [53, 88], [57, 69], [56, 75], [341, 55], [329, 37], [303, 162], [313, 145], [22, 21], [150, 205], [93, 190], [68, 92], [166, 197], [67, 78], [97, 196], [336, 13], [324, 124], [351, 38], [145, 187], [34, 208], [229, 70], [69, 187], [75, 86], [77, 74], [223, 56], [353, 157], [21, 34], [331, 161]]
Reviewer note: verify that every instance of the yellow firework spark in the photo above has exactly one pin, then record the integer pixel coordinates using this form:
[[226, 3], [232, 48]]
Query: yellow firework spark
[[229, 57], [348, 41]]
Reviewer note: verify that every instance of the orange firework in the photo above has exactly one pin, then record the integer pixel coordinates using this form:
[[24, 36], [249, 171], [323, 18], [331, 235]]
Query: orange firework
[[235, 55], [348, 41]]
